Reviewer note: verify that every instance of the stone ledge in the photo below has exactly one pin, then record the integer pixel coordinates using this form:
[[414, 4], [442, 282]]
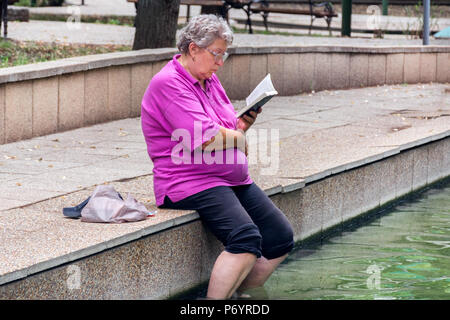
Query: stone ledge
[[85, 63], [187, 216], [97, 248], [337, 49], [163, 287]]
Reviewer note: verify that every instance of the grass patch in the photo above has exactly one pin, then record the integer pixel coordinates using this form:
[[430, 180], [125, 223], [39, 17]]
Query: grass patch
[[15, 53], [23, 3], [113, 19], [39, 3]]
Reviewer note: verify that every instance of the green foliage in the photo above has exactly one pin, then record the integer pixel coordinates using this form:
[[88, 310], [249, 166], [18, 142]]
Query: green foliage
[[39, 3], [114, 21], [14, 53], [23, 3], [414, 29]]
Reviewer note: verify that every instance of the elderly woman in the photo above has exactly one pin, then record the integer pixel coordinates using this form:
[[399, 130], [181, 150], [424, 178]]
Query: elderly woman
[[199, 153]]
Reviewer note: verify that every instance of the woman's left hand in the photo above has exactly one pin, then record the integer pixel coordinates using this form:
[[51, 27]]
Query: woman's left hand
[[246, 121]]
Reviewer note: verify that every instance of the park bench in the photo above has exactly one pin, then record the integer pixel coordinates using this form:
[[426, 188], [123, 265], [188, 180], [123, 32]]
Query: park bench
[[315, 10], [11, 14], [264, 7]]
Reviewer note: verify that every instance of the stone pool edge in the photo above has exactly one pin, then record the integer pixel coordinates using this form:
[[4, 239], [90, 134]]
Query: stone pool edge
[[312, 206]]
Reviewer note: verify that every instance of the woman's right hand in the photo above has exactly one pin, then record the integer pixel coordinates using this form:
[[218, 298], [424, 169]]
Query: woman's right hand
[[227, 138], [245, 122]]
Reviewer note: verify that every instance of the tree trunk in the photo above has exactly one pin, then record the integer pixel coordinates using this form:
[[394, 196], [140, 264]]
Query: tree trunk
[[156, 24]]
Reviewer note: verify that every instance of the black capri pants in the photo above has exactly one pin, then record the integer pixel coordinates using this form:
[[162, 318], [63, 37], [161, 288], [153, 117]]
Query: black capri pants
[[243, 218]]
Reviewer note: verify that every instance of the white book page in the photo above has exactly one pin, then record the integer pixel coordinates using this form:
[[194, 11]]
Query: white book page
[[264, 86]]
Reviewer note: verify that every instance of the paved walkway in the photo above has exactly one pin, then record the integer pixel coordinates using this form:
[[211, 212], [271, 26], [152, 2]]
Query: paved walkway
[[92, 33], [359, 21], [324, 130], [111, 34]]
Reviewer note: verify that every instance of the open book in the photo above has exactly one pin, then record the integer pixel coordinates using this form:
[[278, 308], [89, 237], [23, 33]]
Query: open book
[[263, 92]]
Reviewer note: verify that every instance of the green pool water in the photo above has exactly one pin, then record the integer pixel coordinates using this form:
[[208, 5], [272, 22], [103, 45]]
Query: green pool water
[[403, 253], [398, 253]]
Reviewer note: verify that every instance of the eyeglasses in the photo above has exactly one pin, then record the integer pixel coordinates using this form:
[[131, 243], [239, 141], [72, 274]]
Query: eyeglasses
[[218, 56]]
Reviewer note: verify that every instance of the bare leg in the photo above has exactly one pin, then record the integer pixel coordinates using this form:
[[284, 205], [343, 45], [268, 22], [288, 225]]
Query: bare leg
[[261, 271], [229, 271]]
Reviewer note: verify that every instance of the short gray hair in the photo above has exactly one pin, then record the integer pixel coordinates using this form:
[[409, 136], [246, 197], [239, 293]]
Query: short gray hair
[[203, 30]]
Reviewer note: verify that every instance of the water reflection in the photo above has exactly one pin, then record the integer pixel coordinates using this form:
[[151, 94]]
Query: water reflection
[[402, 255]]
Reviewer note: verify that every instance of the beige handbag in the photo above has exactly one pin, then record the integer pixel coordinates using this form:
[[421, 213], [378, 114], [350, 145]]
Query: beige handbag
[[106, 205]]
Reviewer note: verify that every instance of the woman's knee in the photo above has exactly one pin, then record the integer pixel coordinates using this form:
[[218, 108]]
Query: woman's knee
[[279, 243], [245, 239]]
